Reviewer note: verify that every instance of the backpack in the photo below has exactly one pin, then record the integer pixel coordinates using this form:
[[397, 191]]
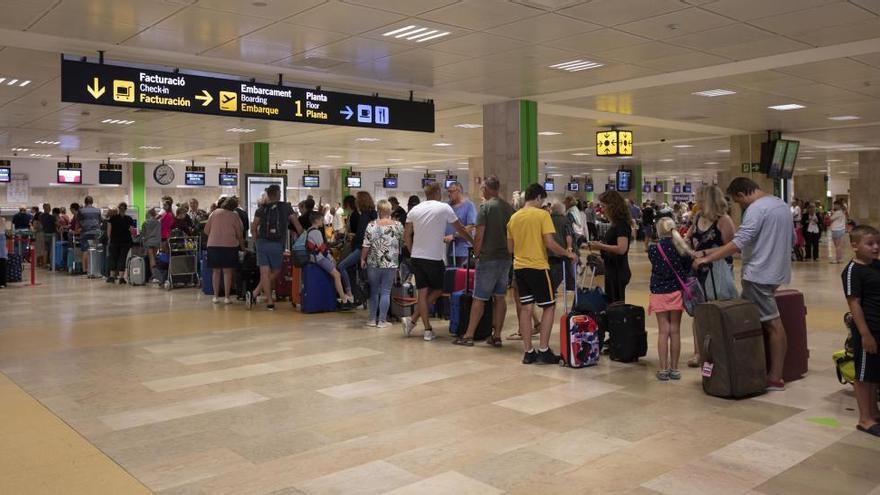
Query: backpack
[[301, 254], [273, 226]]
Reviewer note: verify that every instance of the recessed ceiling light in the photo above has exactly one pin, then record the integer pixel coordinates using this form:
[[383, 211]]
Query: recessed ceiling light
[[351, 163], [333, 156], [581, 154], [711, 163], [291, 161], [21, 149], [47, 142], [469, 126], [439, 170], [787, 106], [576, 65], [415, 33], [549, 133], [15, 82], [240, 130], [442, 145], [38, 155], [711, 93], [463, 168], [117, 121], [151, 147], [723, 151], [367, 139], [806, 157], [843, 172], [835, 160], [462, 163], [845, 117], [626, 158], [666, 160], [117, 154], [682, 146], [395, 159]]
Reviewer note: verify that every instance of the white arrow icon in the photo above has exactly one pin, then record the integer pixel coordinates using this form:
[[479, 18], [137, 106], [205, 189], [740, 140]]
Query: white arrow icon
[[347, 112]]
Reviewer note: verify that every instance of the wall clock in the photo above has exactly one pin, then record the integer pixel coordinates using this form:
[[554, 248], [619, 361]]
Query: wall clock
[[163, 174]]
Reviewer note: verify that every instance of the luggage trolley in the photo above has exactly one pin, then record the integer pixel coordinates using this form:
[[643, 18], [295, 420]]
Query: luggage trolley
[[183, 261]]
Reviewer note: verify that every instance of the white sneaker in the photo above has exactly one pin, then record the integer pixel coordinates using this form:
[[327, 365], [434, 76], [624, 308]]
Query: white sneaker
[[226, 300], [370, 323], [215, 300], [408, 325], [429, 335], [383, 324]]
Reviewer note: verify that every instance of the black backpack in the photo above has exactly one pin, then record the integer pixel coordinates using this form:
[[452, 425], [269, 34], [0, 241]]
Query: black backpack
[[273, 223]]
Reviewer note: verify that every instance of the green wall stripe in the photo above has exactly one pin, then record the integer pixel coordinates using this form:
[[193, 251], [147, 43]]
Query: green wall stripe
[[637, 184], [261, 158], [139, 189], [528, 129], [344, 184]]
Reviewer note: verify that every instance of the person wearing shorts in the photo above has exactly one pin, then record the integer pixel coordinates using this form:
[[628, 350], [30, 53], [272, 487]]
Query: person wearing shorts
[[320, 255], [423, 235], [225, 238], [765, 239], [530, 234], [492, 276], [270, 228]]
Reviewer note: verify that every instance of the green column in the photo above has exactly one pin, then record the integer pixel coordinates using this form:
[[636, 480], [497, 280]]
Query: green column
[[528, 153], [343, 177], [139, 189], [261, 158], [637, 184]]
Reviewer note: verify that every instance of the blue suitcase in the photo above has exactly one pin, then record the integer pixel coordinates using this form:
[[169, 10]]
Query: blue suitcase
[[60, 255], [13, 267], [318, 291]]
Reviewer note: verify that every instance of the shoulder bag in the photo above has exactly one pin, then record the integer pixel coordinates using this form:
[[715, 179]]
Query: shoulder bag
[[691, 291]]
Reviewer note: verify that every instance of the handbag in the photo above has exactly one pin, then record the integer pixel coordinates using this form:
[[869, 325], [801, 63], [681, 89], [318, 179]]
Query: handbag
[[589, 299], [691, 291], [723, 285]]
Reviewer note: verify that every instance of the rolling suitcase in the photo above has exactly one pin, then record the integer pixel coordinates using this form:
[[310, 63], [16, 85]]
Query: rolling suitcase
[[283, 283], [403, 299], [296, 285], [206, 275], [136, 270], [578, 335], [74, 260], [793, 312], [318, 290], [460, 304], [59, 255], [626, 325], [731, 342], [96, 261], [13, 268], [456, 279]]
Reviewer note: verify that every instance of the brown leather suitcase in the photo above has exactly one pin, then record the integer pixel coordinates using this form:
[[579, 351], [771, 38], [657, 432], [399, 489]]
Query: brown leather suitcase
[[732, 348], [793, 312]]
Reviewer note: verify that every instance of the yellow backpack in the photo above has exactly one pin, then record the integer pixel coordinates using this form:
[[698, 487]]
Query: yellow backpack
[[846, 366]]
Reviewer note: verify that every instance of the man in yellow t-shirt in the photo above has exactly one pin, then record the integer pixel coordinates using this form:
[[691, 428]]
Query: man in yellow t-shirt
[[529, 236]]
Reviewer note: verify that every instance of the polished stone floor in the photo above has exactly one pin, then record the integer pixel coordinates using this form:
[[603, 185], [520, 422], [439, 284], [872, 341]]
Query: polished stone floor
[[141, 387]]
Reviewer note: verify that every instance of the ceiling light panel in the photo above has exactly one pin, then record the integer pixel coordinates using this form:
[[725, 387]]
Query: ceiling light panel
[[786, 107], [11, 81], [468, 126], [151, 147], [442, 145], [367, 139], [844, 117], [712, 93], [577, 65], [682, 146], [549, 133], [117, 121], [417, 34], [43, 141], [240, 130]]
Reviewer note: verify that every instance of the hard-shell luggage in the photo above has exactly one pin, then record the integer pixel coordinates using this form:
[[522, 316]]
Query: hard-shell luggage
[[59, 255], [74, 260], [296, 285], [460, 304], [136, 270], [13, 267], [626, 325], [96, 261], [793, 313], [207, 278], [284, 280], [318, 290], [359, 286], [578, 335], [403, 299], [247, 276], [731, 342]]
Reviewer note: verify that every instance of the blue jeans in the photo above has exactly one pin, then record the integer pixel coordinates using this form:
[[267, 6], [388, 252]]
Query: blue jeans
[[380, 292], [353, 259]]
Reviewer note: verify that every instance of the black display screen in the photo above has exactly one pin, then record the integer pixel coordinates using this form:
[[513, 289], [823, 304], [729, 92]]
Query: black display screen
[[228, 180], [5, 174], [428, 180], [114, 85], [624, 180], [573, 186], [311, 181], [353, 182], [389, 182], [588, 187], [194, 178], [110, 177], [688, 188], [549, 186], [658, 188], [647, 187]]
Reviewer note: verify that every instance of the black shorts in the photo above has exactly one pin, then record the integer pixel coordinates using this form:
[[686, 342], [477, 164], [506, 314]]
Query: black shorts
[[222, 257], [429, 273], [534, 287], [867, 365]]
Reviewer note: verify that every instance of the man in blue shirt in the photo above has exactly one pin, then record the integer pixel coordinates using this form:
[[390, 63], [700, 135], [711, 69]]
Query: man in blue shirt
[[21, 220], [456, 247]]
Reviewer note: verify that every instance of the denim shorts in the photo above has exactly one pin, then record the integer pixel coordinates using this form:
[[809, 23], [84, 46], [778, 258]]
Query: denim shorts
[[270, 253], [764, 296], [837, 234], [492, 279]]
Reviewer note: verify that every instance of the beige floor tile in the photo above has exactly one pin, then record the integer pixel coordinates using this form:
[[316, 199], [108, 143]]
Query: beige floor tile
[[447, 483], [181, 470], [372, 478], [555, 397], [577, 446], [142, 417], [698, 479], [404, 380]]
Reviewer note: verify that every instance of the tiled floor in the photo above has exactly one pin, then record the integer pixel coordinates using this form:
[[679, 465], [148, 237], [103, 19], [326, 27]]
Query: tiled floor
[[191, 398]]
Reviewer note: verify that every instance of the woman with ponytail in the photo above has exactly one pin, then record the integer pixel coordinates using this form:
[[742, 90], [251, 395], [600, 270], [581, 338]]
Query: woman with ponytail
[[670, 260]]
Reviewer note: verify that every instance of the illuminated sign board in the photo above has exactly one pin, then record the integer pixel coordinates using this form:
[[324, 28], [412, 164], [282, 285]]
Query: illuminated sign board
[[614, 143], [113, 85]]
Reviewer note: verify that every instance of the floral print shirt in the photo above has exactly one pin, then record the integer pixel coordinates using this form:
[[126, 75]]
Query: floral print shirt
[[384, 243]]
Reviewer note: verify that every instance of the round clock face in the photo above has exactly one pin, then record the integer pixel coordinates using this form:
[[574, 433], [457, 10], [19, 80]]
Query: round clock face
[[164, 174]]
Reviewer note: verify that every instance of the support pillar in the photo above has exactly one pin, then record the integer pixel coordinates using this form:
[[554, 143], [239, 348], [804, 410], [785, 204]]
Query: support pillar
[[139, 190], [253, 158], [863, 204], [745, 149], [811, 188], [510, 145]]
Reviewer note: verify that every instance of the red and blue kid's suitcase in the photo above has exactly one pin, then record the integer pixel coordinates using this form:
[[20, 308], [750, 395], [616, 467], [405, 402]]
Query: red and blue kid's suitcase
[[318, 290], [793, 312], [578, 336], [13, 267]]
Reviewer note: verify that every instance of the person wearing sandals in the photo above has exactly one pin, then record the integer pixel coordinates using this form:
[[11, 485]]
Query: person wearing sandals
[[670, 265], [493, 263], [380, 256], [861, 286]]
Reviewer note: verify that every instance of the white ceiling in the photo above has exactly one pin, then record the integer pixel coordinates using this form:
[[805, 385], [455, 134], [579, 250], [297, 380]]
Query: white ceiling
[[823, 54]]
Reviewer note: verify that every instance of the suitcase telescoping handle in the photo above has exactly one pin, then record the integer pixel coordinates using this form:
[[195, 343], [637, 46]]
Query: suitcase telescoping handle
[[467, 269], [708, 268]]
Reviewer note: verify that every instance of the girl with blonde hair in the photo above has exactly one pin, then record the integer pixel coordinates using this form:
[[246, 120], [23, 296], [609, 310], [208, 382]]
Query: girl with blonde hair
[[671, 261]]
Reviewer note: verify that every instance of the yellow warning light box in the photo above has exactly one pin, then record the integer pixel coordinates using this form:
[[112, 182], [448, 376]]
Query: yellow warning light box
[[614, 142]]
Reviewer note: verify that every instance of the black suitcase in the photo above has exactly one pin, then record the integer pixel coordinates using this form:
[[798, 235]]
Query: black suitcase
[[625, 324], [464, 300]]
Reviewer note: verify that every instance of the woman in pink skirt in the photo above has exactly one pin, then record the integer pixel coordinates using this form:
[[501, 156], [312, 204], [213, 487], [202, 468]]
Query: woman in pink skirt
[[669, 256]]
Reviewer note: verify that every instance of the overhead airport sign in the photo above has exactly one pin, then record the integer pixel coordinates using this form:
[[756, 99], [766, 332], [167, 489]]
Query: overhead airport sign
[[113, 85]]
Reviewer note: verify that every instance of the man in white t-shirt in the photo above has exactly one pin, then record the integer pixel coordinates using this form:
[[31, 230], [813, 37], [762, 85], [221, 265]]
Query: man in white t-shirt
[[425, 228]]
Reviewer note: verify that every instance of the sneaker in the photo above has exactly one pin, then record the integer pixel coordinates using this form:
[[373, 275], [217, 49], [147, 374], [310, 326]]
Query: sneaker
[[408, 325], [248, 300], [226, 300], [775, 385], [547, 357], [530, 357], [663, 375], [674, 375], [122, 281], [383, 324], [270, 307], [111, 280], [429, 335], [370, 323], [215, 300]]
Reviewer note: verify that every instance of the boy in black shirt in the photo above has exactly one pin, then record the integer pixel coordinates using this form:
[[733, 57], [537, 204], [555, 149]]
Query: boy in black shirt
[[861, 285]]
